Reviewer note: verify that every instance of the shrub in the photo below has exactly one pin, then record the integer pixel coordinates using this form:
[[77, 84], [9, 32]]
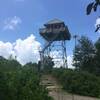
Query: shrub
[[82, 83]]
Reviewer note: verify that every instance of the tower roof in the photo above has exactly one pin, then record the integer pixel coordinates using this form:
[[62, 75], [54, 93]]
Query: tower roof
[[54, 21]]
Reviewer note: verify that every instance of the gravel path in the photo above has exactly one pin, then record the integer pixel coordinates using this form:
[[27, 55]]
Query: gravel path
[[55, 90]]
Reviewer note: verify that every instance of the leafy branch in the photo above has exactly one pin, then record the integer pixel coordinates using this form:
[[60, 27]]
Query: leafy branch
[[93, 6]]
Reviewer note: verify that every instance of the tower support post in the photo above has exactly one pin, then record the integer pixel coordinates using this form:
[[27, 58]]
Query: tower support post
[[57, 51]]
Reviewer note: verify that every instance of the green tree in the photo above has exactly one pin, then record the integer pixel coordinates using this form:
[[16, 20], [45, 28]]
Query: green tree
[[3, 87], [20, 82], [24, 85], [9, 65], [84, 53], [97, 57]]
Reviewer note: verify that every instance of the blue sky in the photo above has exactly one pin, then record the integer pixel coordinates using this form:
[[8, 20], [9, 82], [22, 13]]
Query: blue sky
[[34, 13], [20, 18]]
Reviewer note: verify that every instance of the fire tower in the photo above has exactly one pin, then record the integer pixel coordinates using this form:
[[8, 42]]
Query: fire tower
[[55, 33]]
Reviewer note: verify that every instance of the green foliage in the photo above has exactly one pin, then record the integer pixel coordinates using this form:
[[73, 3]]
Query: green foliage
[[20, 83], [93, 6], [83, 58], [87, 56], [82, 83], [9, 65], [3, 87], [97, 57]]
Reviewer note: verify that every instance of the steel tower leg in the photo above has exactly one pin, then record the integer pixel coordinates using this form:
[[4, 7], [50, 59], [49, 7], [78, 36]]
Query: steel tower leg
[[64, 54]]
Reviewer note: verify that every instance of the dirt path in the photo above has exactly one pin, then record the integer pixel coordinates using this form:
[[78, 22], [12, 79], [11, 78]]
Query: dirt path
[[55, 90]]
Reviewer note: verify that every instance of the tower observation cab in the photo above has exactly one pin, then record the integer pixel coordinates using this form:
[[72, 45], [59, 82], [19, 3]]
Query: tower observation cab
[[55, 30], [55, 33]]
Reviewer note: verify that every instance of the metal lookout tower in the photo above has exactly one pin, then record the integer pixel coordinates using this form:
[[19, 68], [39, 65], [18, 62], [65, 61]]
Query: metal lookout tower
[[55, 33]]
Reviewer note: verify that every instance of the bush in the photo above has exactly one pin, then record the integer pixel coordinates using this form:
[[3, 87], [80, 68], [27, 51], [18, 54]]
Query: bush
[[82, 83], [20, 83]]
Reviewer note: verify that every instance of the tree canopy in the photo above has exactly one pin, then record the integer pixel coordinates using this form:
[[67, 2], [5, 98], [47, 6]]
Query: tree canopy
[[84, 53], [20, 82]]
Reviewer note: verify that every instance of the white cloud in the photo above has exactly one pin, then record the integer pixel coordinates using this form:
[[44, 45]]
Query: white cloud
[[5, 49], [26, 50], [70, 60], [57, 58], [98, 23], [12, 23]]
